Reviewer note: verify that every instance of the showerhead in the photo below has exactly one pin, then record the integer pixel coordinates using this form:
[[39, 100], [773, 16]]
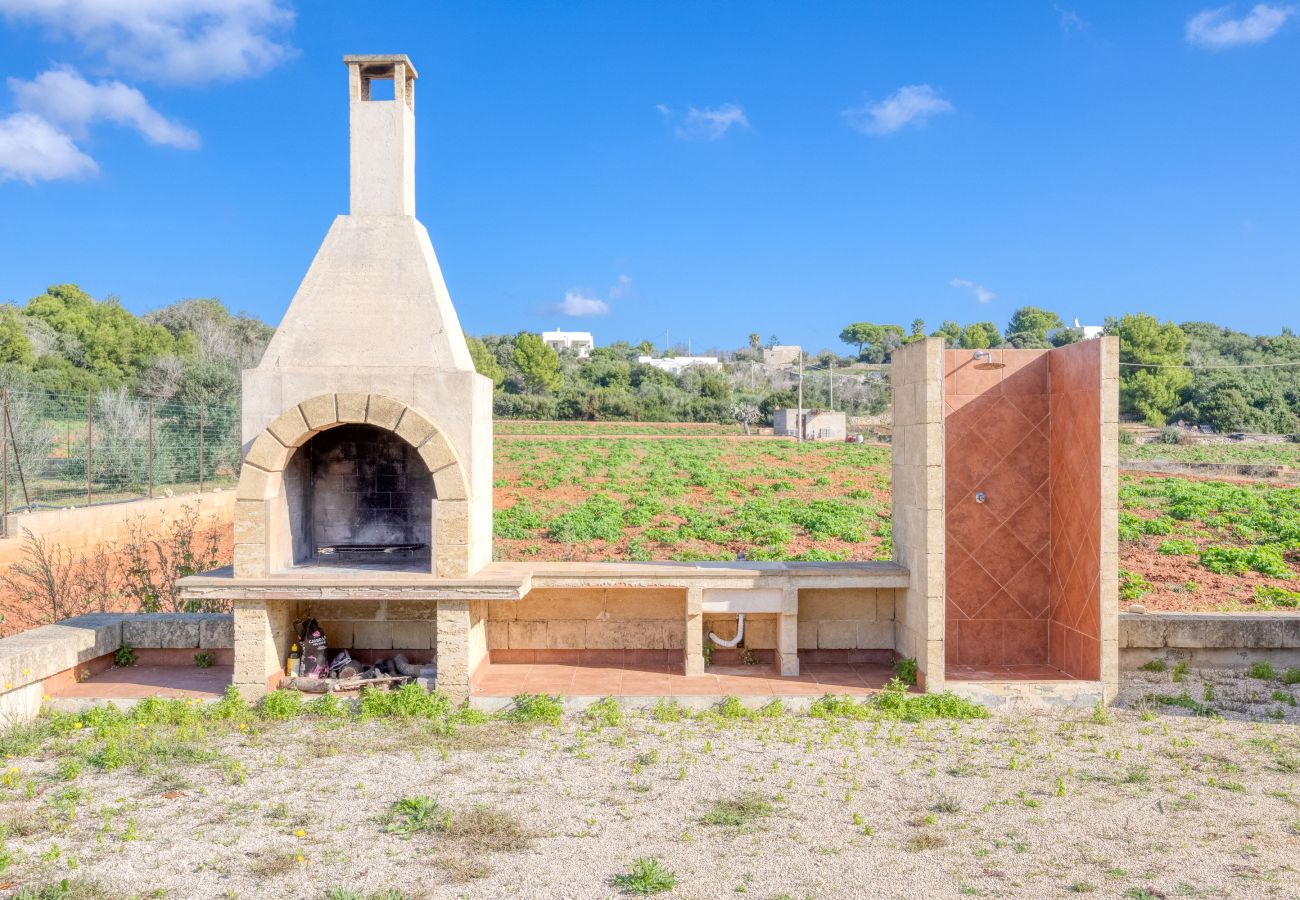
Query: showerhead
[[988, 361]]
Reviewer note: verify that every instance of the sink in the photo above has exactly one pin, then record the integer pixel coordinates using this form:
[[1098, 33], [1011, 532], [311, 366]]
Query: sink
[[727, 600]]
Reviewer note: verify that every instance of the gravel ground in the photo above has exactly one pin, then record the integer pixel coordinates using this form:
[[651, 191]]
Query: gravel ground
[[1145, 799]]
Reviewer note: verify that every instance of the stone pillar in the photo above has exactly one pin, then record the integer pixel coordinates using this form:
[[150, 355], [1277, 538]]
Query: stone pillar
[[694, 652], [263, 633], [918, 505], [453, 634], [787, 631], [1109, 576]]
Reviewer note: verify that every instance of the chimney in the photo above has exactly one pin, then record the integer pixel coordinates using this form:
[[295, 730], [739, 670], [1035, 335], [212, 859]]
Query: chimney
[[382, 135]]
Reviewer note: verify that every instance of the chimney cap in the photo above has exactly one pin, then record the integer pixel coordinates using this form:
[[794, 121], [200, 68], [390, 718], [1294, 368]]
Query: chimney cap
[[380, 65]]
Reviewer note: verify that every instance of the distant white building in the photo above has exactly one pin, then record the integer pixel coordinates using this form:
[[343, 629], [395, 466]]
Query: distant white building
[[674, 365], [580, 342], [1085, 332]]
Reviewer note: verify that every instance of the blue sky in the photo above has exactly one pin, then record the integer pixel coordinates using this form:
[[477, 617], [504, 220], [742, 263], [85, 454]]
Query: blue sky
[[711, 169]]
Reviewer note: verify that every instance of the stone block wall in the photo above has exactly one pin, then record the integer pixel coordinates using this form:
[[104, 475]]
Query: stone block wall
[[590, 619], [846, 619]]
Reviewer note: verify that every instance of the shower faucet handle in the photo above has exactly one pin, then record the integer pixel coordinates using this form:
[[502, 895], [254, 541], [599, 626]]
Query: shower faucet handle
[[981, 497]]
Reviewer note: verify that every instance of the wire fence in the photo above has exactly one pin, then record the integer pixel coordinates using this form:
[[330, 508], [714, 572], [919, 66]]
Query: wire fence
[[62, 450]]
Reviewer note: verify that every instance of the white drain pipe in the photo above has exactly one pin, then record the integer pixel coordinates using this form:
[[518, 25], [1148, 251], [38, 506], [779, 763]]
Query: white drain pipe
[[740, 634]]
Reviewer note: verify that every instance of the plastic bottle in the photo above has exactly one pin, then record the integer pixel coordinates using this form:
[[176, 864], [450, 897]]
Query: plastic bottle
[[294, 662]]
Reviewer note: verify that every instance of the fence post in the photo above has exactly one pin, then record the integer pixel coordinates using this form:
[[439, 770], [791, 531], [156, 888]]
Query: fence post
[[90, 448], [201, 422], [150, 449], [4, 523]]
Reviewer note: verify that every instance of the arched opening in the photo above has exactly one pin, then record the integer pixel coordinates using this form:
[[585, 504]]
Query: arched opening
[[359, 495]]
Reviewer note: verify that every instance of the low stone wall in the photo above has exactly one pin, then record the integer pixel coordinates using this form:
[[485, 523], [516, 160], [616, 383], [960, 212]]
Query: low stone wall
[[89, 527], [1210, 640], [31, 660]]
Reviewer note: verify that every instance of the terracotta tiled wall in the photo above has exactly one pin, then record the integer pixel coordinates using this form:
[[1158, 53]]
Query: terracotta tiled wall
[[1076, 497], [998, 553]]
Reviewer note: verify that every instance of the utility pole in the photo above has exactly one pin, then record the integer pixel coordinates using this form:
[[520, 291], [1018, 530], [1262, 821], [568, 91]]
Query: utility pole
[[830, 382]]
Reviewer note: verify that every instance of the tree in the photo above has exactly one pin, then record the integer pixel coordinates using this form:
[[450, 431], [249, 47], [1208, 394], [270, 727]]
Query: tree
[[861, 334], [15, 347], [745, 413], [918, 327], [485, 363], [755, 341], [1145, 388], [538, 363], [1029, 326], [980, 335], [950, 331], [114, 345]]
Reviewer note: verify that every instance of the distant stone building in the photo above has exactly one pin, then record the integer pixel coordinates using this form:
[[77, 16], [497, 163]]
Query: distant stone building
[[818, 424], [581, 342], [780, 356], [675, 365], [1085, 332]]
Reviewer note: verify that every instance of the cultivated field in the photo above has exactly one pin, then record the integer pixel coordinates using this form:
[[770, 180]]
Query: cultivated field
[[1186, 542], [689, 498], [905, 797]]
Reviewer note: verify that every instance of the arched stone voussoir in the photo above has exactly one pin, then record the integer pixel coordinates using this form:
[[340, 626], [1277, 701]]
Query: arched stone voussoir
[[414, 428], [268, 453], [449, 483]]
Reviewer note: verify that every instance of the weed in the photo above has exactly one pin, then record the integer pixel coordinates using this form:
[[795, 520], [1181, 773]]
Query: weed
[[204, 659], [412, 815], [1132, 585], [1153, 665], [486, 829], [740, 812], [1268, 596], [543, 708], [926, 840], [647, 876], [668, 710], [1177, 548], [124, 655], [280, 705], [604, 713], [1180, 671], [1291, 676], [67, 889], [1262, 670], [905, 669]]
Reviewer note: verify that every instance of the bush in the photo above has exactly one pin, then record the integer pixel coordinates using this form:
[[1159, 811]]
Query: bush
[[905, 669], [1171, 435]]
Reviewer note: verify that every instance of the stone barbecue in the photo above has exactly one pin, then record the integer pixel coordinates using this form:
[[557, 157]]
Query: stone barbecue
[[365, 503]]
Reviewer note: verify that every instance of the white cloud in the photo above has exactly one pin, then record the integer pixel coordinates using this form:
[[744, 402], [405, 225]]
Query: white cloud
[[909, 105], [621, 288], [1213, 28], [178, 40], [982, 294], [1069, 20], [576, 303], [708, 124], [63, 98], [31, 150]]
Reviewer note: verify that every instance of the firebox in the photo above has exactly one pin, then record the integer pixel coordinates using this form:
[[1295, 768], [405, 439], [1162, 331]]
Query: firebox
[[366, 497]]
